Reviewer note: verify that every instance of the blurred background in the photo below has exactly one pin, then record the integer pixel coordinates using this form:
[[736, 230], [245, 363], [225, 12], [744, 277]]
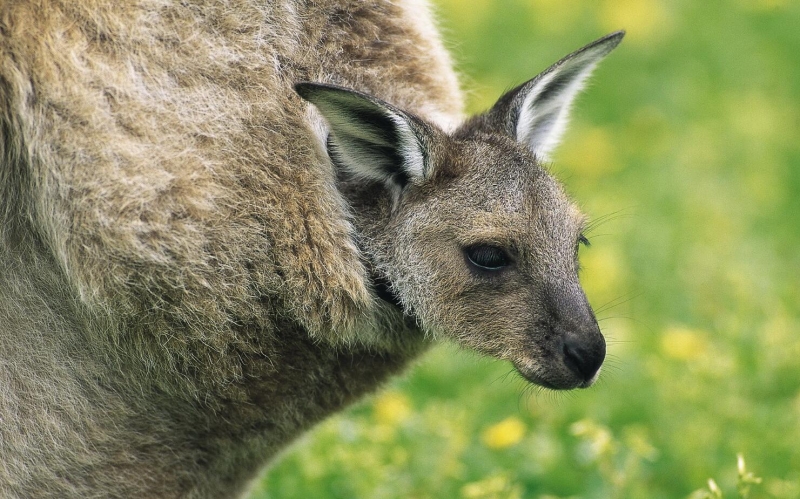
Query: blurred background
[[685, 149]]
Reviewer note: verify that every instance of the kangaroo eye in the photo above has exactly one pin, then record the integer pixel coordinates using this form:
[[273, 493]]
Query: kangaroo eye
[[487, 257]]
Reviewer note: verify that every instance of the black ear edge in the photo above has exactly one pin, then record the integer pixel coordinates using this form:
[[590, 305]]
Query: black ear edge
[[608, 42], [611, 41], [510, 99], [308, 90], [416, 127], [304, 89]]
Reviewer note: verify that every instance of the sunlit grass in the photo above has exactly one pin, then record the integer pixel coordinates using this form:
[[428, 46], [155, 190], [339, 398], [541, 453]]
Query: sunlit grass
[[687, 149]]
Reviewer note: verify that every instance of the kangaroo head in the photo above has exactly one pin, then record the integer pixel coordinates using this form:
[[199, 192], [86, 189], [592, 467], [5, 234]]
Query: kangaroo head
[[466, 231]]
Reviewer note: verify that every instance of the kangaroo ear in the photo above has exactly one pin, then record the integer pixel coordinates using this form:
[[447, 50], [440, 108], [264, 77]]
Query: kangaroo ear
[[536, 113], [369, 137]]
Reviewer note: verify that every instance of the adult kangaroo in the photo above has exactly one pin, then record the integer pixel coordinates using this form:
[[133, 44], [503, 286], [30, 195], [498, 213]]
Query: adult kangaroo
[[222, 221]]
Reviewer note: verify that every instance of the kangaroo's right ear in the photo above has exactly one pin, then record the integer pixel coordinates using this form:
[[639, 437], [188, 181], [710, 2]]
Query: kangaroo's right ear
[[369, 137], [535, 113]]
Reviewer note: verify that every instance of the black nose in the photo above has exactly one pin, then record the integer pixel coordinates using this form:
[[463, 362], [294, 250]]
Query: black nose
[[584, 356]]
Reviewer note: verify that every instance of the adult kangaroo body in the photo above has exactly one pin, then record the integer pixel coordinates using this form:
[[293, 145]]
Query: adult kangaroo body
[[196, 264]]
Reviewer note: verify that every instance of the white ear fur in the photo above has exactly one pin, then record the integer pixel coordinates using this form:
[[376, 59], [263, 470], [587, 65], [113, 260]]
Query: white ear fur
[[544, 102], [369, 137]]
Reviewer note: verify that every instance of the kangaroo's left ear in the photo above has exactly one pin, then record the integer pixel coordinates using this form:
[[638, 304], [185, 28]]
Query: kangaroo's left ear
[[536, 112], [371, 138]]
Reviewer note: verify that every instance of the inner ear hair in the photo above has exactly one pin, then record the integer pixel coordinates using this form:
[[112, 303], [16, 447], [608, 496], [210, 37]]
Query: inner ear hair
[[369, 137], [540, 109], [536, 113]]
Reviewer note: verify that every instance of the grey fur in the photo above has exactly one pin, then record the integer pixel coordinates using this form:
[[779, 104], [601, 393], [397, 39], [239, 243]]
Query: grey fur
[[186, 281]]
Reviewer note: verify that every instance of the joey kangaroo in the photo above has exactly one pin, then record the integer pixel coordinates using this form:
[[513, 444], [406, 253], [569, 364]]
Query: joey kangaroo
[[220, 222]]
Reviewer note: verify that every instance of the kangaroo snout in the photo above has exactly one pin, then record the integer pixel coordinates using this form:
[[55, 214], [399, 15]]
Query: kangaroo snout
[[582, 345], [567, 348], [564, 355], [584, 353]]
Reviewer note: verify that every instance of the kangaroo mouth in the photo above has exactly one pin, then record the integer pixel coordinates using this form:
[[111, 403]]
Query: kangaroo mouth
[[553, 377], [570, 358]]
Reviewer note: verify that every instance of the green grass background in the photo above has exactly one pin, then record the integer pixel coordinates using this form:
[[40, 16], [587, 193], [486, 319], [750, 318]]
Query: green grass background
[[687, 144]]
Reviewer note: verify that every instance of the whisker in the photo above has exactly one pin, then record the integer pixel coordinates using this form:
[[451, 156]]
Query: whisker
[[610, 366], [620, 300], [603, 219], [597, 236], [501, 377], [643, 324], [613, 342]]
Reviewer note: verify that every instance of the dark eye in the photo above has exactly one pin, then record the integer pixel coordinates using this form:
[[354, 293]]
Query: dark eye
[[582, 240], [487, 257]]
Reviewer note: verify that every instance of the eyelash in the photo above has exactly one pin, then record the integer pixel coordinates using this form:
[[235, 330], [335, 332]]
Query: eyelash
[[487, 258]]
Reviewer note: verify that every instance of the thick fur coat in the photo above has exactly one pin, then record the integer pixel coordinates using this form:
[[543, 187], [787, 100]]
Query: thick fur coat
[[187, 279], [174, 251]]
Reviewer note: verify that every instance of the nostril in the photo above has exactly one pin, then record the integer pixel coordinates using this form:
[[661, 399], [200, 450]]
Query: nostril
[[573, 359], [583, 359]]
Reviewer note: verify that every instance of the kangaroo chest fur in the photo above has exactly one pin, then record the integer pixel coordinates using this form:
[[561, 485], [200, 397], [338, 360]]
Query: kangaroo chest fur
[[81, 421], [281, 395]]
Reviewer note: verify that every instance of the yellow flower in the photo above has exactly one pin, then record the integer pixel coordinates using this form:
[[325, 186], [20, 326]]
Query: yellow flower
[[504, 434], [683, 343], [599, 439], [492, 487], [391, 408]]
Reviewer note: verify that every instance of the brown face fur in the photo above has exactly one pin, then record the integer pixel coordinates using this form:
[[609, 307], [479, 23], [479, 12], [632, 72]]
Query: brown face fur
[[467, 231], [489, 190]]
